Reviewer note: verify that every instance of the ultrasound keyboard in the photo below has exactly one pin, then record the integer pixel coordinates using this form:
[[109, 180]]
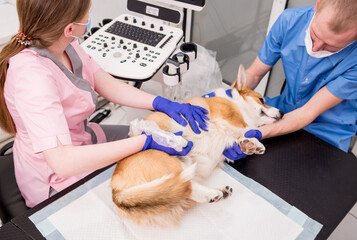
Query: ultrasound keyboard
[[132, 48]]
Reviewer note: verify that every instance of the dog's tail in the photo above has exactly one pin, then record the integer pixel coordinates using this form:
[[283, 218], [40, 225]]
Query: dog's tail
[[155, 197]]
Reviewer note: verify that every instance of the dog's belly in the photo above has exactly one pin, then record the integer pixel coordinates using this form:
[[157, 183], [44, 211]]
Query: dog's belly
[[208, 146]]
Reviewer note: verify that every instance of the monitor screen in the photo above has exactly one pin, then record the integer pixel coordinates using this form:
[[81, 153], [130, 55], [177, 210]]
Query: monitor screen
[[160, 9], [189, 4]]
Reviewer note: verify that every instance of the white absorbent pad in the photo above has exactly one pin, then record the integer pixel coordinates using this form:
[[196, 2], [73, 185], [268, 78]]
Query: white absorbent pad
[[252, 212]]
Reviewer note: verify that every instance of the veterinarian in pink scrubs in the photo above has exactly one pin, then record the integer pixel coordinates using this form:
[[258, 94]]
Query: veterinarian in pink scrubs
[[318, 49], [48, 86]]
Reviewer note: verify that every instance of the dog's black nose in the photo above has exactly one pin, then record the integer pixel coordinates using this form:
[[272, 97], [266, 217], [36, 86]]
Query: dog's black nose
[[281, 113]]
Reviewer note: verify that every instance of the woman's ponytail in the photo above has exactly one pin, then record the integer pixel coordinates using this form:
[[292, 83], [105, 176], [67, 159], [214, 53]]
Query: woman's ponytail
[[11, 49]]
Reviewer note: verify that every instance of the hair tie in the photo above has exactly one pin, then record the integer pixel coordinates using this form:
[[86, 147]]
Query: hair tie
[[23, 38]]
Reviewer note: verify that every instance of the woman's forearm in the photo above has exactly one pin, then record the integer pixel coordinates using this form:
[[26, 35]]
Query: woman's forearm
[[119, 92], [69, 160]]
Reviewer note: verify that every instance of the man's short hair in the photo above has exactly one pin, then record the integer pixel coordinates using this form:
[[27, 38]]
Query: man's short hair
[[345, 14]]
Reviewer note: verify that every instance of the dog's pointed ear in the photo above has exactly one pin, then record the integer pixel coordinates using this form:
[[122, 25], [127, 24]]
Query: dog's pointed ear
[[241, 81]]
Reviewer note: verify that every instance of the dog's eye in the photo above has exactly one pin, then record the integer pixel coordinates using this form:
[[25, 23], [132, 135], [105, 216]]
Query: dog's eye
[[261, 100]]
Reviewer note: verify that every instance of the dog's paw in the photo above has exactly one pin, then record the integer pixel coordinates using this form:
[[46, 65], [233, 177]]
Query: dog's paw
[[223, 194], [227, 192], [251, 146]]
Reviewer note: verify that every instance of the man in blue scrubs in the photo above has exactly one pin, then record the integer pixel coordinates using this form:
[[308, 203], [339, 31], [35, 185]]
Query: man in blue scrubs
[[318, 49]]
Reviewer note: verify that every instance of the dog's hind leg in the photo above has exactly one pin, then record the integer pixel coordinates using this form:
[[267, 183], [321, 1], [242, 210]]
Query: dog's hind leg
[[203, 194]]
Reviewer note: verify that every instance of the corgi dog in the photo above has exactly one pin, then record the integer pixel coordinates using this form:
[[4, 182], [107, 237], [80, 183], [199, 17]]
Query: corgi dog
[[154, 188]]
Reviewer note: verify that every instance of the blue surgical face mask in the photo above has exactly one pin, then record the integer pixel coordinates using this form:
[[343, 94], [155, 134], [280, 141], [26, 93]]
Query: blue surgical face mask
[[88, 24]]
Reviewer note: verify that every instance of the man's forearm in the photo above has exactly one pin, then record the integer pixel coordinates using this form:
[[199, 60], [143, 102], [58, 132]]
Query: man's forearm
[[256, 72], [291, 122]]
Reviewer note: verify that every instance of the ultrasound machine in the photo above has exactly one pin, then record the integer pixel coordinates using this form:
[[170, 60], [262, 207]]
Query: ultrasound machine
[[135, 47]]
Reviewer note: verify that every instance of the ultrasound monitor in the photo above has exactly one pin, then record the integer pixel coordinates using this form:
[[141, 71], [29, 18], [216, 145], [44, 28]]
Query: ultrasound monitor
[[166, 10], [196, 5]]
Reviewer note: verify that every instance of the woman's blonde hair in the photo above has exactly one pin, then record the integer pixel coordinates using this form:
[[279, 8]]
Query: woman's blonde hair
[[43, 21], [345, 15]]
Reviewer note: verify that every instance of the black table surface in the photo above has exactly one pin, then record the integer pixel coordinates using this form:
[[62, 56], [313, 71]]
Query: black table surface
[[308, 173], [10, 231]]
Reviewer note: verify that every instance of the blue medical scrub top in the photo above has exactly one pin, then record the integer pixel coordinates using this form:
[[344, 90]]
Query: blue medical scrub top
[[305, 75]]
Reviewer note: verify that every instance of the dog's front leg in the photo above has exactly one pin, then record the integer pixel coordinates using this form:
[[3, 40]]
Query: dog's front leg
[[251, 146], [203, 194]]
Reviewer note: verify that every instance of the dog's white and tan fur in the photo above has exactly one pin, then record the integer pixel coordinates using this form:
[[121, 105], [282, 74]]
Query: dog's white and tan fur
[[152, 187]]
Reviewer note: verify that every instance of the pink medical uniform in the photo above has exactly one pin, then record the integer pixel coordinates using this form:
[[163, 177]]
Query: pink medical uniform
[[45, 106]]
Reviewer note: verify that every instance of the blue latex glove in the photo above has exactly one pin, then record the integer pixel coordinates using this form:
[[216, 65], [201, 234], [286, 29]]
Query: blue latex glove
[[235, 153], [151, 144], [175, 110], [212, 94]]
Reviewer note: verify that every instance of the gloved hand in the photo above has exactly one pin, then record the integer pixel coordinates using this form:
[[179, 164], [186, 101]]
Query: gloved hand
[[235, 153], [151, 144], [174, 110], [212, 94]]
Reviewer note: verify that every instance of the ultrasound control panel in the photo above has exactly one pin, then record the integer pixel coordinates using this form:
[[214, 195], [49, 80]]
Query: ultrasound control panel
[[132, 48]]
